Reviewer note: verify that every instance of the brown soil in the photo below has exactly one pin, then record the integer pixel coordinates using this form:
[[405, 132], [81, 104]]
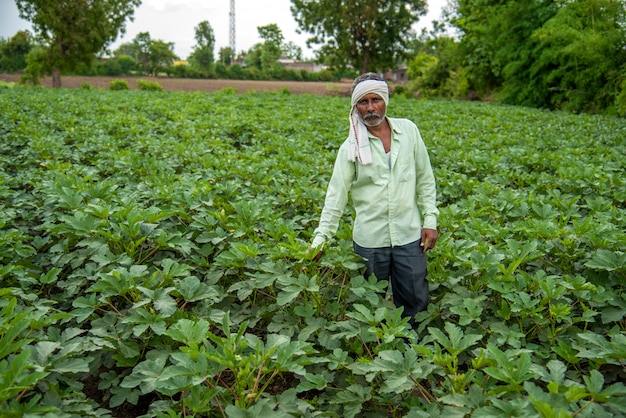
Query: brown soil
[[183, 84]]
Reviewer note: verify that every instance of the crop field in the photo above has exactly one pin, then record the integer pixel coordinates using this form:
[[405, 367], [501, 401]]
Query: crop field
[[153, 262]]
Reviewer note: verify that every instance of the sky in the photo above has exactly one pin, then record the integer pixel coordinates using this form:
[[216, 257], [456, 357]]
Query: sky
[[175, 20]]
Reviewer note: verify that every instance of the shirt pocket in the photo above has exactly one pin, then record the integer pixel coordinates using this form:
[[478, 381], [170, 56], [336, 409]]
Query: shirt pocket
[[406, 173]]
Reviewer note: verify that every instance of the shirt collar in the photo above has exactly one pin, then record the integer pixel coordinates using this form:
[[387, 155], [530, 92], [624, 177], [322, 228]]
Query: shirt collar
[[394, 128]]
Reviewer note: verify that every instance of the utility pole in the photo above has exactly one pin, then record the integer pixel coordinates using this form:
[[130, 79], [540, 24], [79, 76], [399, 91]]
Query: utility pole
[[232, 28]]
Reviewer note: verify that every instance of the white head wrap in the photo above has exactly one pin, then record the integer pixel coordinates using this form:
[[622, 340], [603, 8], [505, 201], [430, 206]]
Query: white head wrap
[[359, 142]]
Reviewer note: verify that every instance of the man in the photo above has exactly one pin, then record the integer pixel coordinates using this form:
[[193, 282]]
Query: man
[[384, 166]]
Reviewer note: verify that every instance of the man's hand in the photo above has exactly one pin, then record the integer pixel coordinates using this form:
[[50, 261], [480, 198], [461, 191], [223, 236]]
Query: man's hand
[[314, 254], [429, 239]]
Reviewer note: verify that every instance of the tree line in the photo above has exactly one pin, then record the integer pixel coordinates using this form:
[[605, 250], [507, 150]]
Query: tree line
[[553, 54], [563, 54]]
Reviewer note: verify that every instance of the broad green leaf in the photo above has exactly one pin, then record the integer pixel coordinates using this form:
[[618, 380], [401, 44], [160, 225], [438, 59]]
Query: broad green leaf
[[596, 346], [607, 260], [352, 399], [12, 327], [470, 311], [456, 341], [193, 290], [188, 332], [50, 277], [146, 375], [313, 382]]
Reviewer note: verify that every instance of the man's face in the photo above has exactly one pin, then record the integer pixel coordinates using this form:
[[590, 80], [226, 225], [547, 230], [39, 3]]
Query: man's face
[[372, 109]]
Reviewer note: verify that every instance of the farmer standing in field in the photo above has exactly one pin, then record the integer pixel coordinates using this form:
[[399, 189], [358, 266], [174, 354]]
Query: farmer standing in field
[[384, 166]]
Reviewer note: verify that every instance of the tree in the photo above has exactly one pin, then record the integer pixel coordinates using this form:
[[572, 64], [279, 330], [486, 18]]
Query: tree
[[142, 42], [580, 55], [558, 55], [74, 31], [126, 63], [264, 55], [367, 35], [436, 67], [271, 48], [292, 50], [202, 56], [13, 52], [495, 33], [161, 54], [227, 55], [127, 48], [148, 53]]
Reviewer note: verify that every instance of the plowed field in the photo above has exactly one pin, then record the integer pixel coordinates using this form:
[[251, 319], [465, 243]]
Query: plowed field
[[182, 84]]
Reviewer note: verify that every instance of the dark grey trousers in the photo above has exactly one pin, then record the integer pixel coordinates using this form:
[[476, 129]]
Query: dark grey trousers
[[405, 268]]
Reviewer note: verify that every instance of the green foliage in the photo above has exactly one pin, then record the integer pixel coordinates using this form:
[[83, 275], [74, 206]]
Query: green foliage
[[119, 85], [437, 70], [264, 56], [419, 69], [114, 66], [226, 55], [202, 57], [149, 85], [152, 56], [366, 36], [556, 55], [421, 65], [74, 32], [126, 64], [161, 55], [579, 52], [13, 52], [157, 257], [496, 35], [35, 66]]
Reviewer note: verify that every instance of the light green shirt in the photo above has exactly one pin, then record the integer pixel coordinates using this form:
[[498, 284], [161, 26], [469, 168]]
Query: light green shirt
[[392, 204]]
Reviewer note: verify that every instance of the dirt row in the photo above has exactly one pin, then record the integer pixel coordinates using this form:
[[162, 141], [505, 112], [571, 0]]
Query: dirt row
[[183, 84]]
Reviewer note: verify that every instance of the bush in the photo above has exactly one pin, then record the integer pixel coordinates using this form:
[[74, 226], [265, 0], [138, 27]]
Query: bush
[[324, 75], [149, 85], [86, 86], [119, 85], [13, 52], [110, 67], [252, 73], [228, 91], [6, 85], [34, 70], [184, 71], [333, 90], [237, 72], [400, 91], [126, 63], [221, 70]]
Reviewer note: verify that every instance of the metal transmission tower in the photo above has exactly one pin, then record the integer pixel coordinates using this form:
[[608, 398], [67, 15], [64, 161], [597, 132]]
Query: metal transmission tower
[[232, 27]]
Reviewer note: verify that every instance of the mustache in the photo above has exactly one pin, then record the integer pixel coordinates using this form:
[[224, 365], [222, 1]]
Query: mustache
[[372, 115]]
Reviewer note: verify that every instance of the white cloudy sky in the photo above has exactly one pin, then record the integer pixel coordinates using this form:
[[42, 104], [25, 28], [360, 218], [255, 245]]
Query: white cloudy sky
[[175, 20]]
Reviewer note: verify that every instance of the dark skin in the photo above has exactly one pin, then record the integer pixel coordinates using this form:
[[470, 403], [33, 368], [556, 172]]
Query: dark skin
[[372, 109]]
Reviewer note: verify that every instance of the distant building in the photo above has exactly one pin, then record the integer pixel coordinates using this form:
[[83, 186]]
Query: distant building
[[397, 76], [295, 65]]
